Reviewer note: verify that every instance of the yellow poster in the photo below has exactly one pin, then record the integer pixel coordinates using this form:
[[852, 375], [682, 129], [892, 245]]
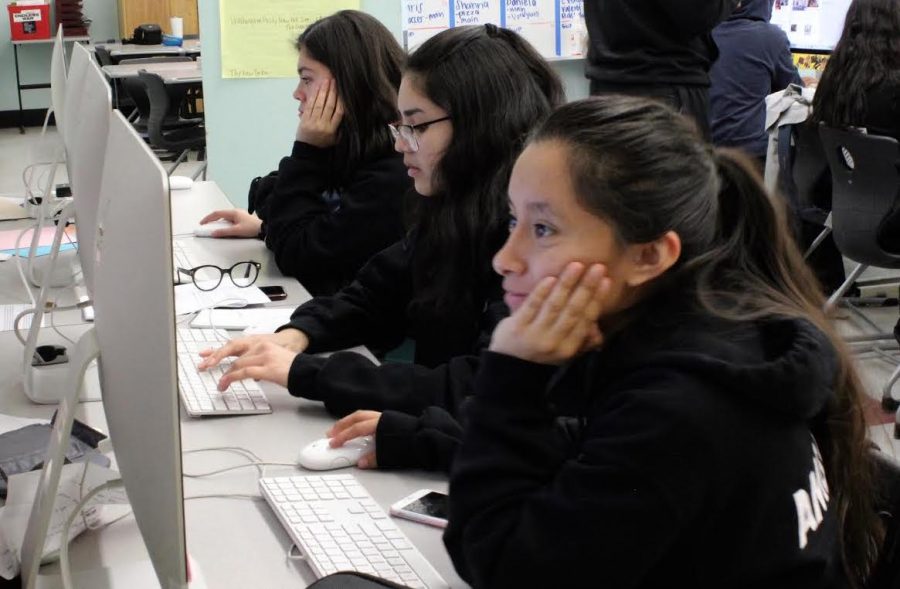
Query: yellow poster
[[258, 35]]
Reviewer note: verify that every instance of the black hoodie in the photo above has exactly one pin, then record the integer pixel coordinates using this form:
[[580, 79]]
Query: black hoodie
[[652, 42], [696, 467]]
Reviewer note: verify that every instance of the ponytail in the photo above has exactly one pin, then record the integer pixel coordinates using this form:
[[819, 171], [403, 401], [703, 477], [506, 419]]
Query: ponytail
[[754, 258], [758, 272]]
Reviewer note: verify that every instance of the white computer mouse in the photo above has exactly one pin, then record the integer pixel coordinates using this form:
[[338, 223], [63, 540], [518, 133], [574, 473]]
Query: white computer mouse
[[180, 182], [320, 456], [206, 229]]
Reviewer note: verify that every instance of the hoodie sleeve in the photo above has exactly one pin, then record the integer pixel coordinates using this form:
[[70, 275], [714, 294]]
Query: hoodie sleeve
[[428, 441], [317, 242], [371, 311], [347, 381]]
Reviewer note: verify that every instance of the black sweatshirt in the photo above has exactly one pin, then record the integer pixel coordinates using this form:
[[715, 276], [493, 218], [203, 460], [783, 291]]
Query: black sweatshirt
[[696, 467], [323, 235], [652, 42], [419, 400]]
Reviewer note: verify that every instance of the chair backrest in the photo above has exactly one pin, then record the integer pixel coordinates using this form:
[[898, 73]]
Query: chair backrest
[[136, 90], [103, 56], [865, 179], [159, 107]]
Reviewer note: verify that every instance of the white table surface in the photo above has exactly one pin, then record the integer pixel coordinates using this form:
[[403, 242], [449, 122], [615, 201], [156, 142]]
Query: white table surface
[[235, 542]]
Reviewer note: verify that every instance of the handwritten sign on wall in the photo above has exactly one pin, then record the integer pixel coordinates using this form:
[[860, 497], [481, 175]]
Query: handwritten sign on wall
[[258, 35], [554, 27]]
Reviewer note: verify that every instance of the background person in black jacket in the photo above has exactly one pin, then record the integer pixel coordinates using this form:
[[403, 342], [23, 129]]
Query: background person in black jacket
[[468, 99], [754, 61], [656, 48], [338, 198], [860, 87], [656, 293]]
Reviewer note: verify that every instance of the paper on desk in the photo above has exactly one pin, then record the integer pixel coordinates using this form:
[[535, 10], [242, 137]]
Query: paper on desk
[[190, 299], [20, 497], [9, 237], [265, 320], [10, 423], [8, 315], [11, 208]]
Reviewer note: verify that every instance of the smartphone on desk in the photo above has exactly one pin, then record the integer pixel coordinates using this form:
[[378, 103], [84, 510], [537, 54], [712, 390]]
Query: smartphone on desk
[[275, 293], [424, 506]]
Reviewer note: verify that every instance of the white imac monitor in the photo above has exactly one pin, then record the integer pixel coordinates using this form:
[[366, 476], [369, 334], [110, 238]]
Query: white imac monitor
[[58, 81], [81, 59], [134, 338], [134, 322], [812, 26], [85, 148]]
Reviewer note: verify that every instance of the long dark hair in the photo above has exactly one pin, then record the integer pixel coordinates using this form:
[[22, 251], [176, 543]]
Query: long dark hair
[[641, 167], [366, 63], [867, 54], [495, 87]]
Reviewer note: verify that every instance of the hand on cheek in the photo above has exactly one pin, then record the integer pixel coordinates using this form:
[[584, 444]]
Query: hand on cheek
[[558, 320]]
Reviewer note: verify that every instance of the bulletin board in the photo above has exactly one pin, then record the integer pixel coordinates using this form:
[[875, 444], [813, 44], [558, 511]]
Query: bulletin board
[[555, 27]]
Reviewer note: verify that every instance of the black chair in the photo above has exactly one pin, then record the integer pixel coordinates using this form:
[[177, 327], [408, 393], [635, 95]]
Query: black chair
[[179, 94], [103, 56], [180, 140], [865, 174]]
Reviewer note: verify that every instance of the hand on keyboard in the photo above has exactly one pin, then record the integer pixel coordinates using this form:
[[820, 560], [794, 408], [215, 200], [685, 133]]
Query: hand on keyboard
[[258, 357], [292, 339], [355, 425]]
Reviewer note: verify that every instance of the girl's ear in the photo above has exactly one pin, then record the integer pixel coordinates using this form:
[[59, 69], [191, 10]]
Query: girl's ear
[[648, 261]]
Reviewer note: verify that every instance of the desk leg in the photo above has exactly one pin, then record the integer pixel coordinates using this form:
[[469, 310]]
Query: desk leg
[[19, 90]]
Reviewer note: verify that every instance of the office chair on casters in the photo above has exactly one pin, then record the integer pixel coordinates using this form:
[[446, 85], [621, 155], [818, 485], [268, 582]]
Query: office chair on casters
[[865, 173], [176, 141]]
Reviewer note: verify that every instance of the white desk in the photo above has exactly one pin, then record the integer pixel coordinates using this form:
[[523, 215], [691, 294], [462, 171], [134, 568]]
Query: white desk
[[124, 51], [235, 542], [171, 73]]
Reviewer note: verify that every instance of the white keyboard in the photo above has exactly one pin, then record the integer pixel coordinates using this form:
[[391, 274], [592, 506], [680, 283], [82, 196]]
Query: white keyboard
[[180, 257], [198, 389], [337, 526]]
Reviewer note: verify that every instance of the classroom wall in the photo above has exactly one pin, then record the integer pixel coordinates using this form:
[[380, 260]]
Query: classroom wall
[[34, 60], [251, 123]]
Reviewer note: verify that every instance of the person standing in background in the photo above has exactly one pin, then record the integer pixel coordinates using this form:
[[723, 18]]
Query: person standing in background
[[754, 61], [655, 48]]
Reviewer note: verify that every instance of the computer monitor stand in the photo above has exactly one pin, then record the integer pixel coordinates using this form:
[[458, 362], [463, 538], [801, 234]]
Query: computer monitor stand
[[136, 575], [45, 367], [39, 271]]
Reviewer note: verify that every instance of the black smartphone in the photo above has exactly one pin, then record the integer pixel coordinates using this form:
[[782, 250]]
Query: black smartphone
[[275, 293]]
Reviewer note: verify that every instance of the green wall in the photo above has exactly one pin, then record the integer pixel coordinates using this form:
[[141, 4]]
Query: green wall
[[250, 123]]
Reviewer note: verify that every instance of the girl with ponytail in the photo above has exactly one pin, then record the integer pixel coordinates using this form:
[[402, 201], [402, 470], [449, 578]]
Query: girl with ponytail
[[657, 296]]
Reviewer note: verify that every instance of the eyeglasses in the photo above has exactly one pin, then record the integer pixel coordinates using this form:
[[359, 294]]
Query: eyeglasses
[[209, 277], [410, 133]]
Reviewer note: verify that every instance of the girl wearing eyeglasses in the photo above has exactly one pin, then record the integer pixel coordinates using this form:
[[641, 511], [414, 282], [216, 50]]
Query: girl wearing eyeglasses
[[467, 100], [337, 199], [657, 295]]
